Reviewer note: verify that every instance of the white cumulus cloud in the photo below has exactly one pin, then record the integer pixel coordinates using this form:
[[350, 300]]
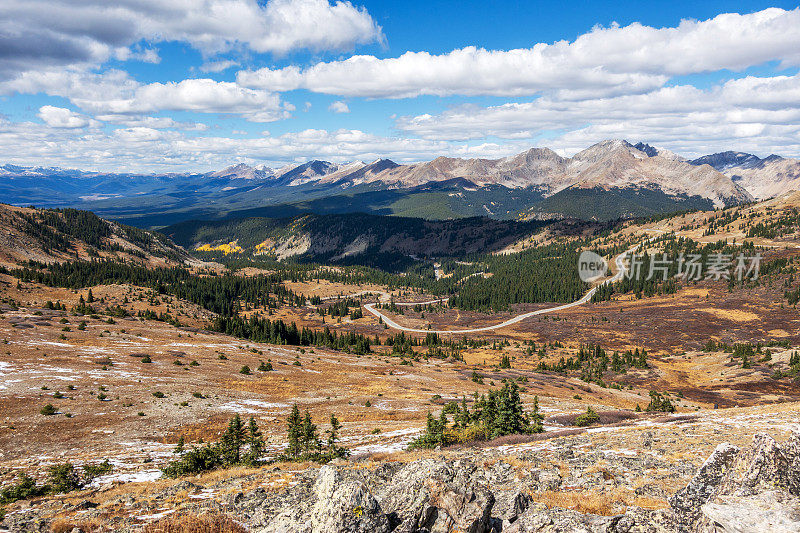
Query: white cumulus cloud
[[59, 117], [339, 107], [605, 61], [114, 93], [39, 34]]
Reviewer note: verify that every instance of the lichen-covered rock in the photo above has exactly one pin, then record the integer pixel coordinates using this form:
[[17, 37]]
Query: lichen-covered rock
[[637, 520], [768, 511], [458, 509], [540, 519], [687, 502], [344, 506], [749, 491], [763, 466]]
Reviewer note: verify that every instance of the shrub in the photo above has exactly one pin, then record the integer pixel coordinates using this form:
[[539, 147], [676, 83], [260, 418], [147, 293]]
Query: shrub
[[245, 370], [64, 478], [48, 410], [25, 488], [159, 394], [93, 471], [587, 419], [659, 402]]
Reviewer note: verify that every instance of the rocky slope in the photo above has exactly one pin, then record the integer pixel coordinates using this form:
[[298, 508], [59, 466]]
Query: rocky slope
[[609, 165]]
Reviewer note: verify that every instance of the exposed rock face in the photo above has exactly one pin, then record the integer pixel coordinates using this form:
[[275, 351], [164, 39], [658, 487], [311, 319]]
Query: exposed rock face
[[344, 506], [741, 491], [754, 490], [687, 502], [430, 496]]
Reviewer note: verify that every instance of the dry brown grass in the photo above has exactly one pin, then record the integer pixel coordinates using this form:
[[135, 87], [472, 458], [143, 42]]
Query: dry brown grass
[[65, 525], [211, 522], [604, 503]]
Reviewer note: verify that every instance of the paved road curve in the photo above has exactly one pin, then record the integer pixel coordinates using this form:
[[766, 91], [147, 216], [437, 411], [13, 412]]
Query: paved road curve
[[619, 260]]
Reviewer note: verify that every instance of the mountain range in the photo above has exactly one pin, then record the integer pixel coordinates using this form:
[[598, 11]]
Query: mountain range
[[607, 180]]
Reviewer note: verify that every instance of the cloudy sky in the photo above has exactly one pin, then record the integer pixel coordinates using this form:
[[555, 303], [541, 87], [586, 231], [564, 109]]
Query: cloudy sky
[[173, 85]]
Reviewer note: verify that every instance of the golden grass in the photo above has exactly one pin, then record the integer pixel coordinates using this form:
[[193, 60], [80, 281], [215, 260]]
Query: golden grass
[[66, 525], [731, 314], [211, 522], [606, 502]]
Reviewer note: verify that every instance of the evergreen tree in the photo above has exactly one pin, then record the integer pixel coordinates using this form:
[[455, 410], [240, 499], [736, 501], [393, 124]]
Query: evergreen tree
[[294, 426], [510, 418], [255, 443], [333, 437], [179, 447], [309, 439], [536, 419], [233, 440]]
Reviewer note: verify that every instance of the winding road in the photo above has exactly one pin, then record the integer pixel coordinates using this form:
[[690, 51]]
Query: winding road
[[619, 260]]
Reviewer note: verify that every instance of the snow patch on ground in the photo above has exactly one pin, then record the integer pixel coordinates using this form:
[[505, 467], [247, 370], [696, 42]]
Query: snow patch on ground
[[127, 477], [156, 516], [252, 406]]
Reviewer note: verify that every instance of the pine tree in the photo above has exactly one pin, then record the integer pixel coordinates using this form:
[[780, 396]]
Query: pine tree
[[233, 440], [333, 437], [90, 297], [179, 447], [255, 443], [536, 419], [294, 426], [510, 417], [309, 439]]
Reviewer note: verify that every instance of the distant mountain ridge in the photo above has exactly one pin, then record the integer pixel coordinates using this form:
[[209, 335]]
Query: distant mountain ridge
[[763, 178], [613, 168]]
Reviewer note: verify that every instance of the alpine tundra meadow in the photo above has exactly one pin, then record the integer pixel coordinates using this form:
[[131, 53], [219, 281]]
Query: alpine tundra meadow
[[329, 266]]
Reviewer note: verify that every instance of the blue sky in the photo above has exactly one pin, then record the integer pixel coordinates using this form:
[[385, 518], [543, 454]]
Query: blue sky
[[146, 85]]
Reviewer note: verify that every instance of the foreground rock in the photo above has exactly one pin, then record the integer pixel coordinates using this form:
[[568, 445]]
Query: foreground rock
[[751, 490], [754, 490]]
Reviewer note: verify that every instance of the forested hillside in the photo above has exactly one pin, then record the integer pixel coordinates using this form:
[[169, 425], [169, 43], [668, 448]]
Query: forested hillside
[[50, 235], [353, 238]]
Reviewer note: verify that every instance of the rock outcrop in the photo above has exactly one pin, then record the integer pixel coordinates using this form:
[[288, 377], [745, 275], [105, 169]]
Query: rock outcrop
[[752, 490], [749, 491]]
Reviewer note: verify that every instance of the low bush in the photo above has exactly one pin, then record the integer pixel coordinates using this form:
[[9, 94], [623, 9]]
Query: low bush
[[587, 419]]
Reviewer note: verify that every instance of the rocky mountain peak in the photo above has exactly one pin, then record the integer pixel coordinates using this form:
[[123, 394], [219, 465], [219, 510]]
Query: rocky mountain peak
[[242, 171], [725, 160]]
